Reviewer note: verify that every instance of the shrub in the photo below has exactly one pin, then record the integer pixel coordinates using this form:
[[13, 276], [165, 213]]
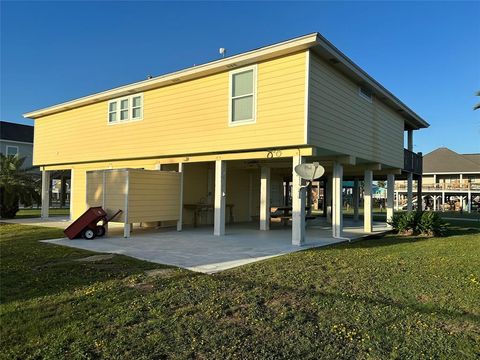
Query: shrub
[[413, 223], [432, 224]]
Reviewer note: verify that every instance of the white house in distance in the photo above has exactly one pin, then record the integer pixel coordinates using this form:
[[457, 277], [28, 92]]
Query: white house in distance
[[451, 182]]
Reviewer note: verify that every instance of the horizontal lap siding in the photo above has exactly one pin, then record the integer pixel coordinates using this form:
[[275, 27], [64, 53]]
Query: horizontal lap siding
[[340, 120], [153, 196], [184, 118]]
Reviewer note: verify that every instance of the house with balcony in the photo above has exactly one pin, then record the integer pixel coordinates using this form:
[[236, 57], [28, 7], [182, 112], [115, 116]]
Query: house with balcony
[[234, 129], [451, 182]]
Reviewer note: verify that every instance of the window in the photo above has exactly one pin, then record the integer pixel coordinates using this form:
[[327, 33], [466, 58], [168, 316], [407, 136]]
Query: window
[[243, 83], [12, 150], [365, 93], [125, 109]]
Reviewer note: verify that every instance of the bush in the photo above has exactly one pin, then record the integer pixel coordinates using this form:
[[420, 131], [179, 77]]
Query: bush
[[415, 222], [432, 224]]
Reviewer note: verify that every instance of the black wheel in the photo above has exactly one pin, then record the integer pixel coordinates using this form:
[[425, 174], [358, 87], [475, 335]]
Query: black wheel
[[88, 234], [100, 230]]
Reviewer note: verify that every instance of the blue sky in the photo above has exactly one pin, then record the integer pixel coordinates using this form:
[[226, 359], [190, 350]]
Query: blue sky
[[426, 53]]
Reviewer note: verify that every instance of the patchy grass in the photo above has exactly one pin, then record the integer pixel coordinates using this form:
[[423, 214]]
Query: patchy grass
[[394, 297], [34, 213]]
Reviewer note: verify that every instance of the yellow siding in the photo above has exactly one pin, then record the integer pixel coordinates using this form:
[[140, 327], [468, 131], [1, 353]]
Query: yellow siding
[[153, 196], [183, 118], [79, 179], [341, 121]]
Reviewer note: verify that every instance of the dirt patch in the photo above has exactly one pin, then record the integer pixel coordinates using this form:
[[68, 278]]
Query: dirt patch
[[159, 272], [94, 258], [142, 286]]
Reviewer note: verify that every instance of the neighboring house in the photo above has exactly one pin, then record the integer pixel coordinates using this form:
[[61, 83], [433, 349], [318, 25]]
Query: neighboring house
[[236, 128], [451, 181], [17, 139]]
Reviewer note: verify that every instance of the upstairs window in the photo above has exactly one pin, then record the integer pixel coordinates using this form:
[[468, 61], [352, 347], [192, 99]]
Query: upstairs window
[[12, 150], [125, 109], [365, 93], [243, 84]]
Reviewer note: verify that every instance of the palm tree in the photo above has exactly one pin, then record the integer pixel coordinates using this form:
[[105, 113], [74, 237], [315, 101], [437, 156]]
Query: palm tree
[[476, 107], [17, 185]]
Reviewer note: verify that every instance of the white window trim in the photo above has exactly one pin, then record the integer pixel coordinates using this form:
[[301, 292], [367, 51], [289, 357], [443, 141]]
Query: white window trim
[[253, 120], [13, 147], [130, 109], [363, 96]]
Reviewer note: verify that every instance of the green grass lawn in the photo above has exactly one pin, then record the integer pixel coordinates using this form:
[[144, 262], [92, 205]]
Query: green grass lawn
[[34, 213], [393, 297]]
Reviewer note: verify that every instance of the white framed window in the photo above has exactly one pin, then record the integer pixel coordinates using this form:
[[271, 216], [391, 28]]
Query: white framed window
[[365, 93], [243, 96], [12, 150], [124, 109]]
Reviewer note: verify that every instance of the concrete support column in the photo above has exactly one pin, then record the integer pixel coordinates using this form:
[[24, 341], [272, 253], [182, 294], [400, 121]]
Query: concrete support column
[[46, 183], [220, 188], [265, 199], [409, 192], [469, 203], [127, 229], [71, 193], [390, 195], [328, 198], [420, 204], [367, 201], [356, 199], [180, 215], [298, 205], [435, 198], [443, 200], [337, 203]]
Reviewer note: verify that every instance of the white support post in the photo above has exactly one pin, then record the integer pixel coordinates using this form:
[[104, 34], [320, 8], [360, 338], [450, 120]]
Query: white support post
[[328, 198], [71, 193], [45, 194], [298, 205], [397, 199], [180, 215], [435, 198], [410, 192], [356, 199], [265, 199], [390, 195], [443, 201], [220, 188], [469, 203], [127, 229], [367, 201], [337, 204]]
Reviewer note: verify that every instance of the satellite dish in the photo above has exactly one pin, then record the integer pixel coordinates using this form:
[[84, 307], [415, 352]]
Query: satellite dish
[[310, 171]]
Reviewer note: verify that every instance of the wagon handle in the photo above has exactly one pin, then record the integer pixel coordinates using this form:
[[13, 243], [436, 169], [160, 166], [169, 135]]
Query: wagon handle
[[112, 217]]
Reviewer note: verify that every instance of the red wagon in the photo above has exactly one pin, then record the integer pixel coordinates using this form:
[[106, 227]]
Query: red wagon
[[87, 226]]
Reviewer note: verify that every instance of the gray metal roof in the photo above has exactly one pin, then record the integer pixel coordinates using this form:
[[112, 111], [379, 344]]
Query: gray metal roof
[[444, 160]]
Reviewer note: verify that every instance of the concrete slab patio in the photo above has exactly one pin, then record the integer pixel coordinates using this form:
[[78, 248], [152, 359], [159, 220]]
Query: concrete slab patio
[[198, 250]]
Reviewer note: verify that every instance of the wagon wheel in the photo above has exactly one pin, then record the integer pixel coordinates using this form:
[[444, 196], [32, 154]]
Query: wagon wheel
[[89, 234], [100, 229]]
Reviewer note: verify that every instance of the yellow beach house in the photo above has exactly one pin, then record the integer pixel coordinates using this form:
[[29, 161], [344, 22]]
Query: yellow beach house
[[232, 130]]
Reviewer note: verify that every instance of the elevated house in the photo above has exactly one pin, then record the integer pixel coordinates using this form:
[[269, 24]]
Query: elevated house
[[451, 181], [235, 129]]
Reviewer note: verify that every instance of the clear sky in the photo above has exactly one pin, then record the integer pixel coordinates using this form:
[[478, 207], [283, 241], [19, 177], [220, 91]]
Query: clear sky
[[426, 53]]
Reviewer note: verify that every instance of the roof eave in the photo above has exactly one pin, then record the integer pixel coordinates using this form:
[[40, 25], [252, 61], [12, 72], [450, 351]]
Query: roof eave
[[247, 58], [327, 49]]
